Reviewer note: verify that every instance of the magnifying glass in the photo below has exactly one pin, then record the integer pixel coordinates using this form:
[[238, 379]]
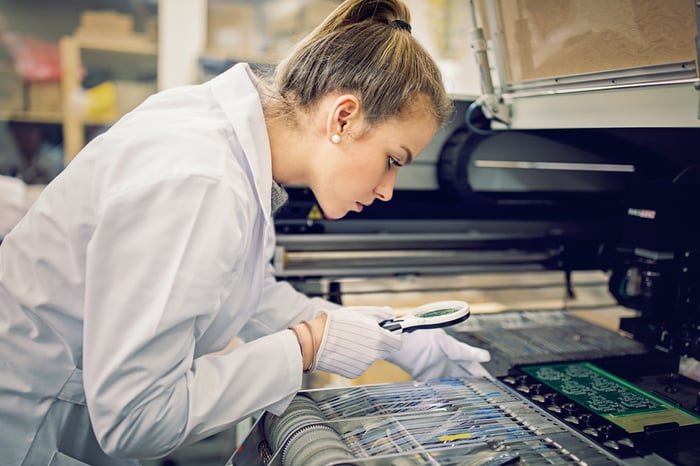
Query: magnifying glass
[[433, 315]]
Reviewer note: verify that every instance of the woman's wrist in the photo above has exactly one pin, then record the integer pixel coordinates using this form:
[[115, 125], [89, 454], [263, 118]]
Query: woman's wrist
[[301, 333], [319, 326], [309, 335], [312, 340]]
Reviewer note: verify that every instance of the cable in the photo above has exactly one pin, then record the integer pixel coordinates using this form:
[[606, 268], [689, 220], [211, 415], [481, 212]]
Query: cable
[[468, 120], [684, 172]]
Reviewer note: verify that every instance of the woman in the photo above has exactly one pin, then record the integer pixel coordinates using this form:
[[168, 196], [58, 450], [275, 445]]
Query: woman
[[124, 286]]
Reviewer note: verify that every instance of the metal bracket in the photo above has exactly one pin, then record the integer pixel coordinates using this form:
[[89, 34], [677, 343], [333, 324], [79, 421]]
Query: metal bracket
[[494, 108], [492, 105]]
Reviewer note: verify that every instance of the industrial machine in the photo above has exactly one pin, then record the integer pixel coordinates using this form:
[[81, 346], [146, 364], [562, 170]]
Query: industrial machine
[[575, 414], [564, 391], [561, 165]]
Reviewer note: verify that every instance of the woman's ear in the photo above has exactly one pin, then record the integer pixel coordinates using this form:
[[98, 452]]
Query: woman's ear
[[344, 114]]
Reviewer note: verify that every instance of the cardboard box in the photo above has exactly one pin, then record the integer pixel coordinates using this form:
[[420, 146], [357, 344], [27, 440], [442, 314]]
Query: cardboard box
[[231, 27], [106, 22]]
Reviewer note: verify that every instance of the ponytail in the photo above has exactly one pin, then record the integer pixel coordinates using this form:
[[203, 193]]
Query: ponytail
[[364, 47]]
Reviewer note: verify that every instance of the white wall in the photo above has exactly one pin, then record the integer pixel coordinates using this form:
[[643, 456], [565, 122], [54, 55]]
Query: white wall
[[181, 37]]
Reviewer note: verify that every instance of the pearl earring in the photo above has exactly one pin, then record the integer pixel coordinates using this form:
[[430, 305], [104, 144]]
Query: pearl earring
[[335, 139]]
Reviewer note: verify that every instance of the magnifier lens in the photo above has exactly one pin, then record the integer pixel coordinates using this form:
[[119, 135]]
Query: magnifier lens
[[434, 315], [438, 312]]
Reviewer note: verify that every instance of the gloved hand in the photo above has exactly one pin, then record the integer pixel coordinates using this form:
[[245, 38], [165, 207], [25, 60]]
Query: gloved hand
[[353, 340], [433, 354]]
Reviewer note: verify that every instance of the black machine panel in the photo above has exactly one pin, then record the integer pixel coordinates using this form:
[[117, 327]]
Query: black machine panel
[[618, 200]]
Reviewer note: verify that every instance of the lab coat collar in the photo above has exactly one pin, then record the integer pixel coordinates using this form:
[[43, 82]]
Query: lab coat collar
[[235, 90]]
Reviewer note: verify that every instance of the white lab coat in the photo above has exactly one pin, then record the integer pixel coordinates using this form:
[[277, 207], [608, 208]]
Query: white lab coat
[[148, 252]]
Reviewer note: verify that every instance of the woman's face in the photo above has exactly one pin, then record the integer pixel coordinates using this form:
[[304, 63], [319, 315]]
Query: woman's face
[[363, 166]]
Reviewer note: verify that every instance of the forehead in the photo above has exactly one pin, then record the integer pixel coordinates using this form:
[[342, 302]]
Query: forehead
[[417, 113], [416, 126]]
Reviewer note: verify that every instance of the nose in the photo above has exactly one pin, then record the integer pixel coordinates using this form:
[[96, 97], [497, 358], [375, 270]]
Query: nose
[[384, 191]]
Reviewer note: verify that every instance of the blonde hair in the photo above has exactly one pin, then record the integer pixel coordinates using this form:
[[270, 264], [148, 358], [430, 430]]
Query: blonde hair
[[361, 48]]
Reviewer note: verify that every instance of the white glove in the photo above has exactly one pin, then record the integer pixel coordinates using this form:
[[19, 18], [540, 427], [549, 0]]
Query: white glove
[[353, 340], [433, 354]]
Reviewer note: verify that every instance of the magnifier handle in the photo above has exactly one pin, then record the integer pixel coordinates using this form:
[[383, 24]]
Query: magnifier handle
[[392, 325]]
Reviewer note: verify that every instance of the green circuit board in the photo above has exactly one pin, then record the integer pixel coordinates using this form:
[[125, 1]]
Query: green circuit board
[[613, 398]]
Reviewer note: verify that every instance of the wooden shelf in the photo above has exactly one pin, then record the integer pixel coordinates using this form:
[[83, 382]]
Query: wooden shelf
[[31, 116], [133, 43], [71, 61]]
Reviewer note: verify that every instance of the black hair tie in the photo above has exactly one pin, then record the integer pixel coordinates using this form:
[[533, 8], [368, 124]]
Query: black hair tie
[[399, 24]]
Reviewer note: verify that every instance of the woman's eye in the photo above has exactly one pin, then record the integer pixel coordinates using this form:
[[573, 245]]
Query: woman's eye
[[392, 161]]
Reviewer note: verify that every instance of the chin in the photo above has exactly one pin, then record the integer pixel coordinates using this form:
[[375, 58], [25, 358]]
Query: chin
[[328, 216], [333, 212]]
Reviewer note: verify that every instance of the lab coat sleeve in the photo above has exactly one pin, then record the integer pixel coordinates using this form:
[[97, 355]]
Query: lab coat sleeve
[[281, 305], [151, 277]]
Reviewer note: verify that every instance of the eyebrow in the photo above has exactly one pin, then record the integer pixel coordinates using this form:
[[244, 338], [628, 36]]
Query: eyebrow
[[409, 155]]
